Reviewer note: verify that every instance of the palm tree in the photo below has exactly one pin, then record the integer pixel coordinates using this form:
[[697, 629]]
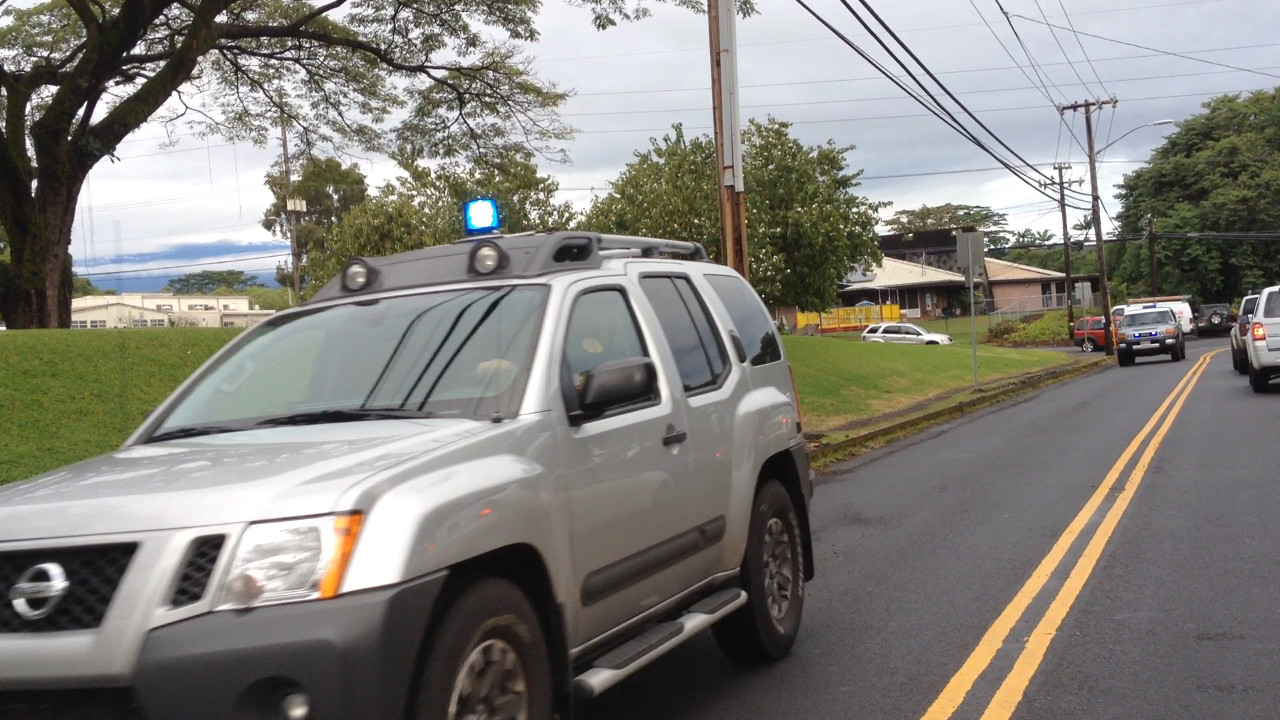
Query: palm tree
[[1084, 224], [1044, 237]]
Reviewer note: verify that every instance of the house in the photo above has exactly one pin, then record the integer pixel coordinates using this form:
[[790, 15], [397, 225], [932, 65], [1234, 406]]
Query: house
[[920, 290], [140, 310], [1013, 287]]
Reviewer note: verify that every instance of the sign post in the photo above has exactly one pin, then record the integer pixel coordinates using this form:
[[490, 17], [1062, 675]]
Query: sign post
[[965, 252]]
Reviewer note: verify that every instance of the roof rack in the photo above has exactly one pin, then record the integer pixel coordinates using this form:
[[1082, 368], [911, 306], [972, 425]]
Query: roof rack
[[654, 247]]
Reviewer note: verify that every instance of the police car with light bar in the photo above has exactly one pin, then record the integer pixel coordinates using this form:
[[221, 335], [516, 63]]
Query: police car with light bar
[[1149, 329], [489, 479]]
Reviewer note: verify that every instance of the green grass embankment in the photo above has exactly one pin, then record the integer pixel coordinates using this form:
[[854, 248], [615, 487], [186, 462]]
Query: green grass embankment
[[841, 379], [66, 395]]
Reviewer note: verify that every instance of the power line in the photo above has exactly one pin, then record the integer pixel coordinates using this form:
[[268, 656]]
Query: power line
[[654, 91], [1042, 88], [912, 115], [1084, 52], [1144, 47], [1059, 44], [1027, 52], [703, 49], [187, 265], [872, 61]]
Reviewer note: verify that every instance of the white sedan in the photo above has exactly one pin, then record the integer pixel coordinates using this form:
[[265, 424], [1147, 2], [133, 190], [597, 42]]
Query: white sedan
[[906, 333]]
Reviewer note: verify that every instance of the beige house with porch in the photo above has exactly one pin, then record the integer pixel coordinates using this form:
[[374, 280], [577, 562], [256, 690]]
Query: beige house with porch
[[149, 310]]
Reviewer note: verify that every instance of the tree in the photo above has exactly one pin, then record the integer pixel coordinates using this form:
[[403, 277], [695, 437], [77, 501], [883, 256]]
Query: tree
[[78, 77], [807, 228], [330, 190], [1218, 172], [425, 208], [206, 282], [83, 286], [942, 217]]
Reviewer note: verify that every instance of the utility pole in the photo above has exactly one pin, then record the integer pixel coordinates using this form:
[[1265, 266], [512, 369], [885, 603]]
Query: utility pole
[[1088, 107], [721, 19], [1151, 255], [292, 207], [1066, 237]]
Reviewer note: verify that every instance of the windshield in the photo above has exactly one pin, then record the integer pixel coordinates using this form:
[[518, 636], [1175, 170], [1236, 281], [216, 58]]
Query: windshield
[[1146, 317], [463, 353]]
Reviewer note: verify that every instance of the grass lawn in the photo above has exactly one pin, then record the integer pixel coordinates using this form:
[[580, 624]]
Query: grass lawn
[[842, 379], [66, 395]]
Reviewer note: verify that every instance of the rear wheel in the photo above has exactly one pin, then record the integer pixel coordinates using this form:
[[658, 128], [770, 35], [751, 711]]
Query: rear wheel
[[1257, 380], [1088, 345], [1242, 364], [487, 659], [773, 576]]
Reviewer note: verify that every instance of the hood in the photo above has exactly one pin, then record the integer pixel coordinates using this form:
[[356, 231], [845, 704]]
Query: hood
[[216, 479]]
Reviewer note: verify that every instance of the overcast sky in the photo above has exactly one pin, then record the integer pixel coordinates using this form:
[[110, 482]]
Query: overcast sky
[[198, 200]]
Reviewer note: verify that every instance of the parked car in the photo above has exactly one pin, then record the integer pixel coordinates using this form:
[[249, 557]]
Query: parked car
[[1240, 334], [475, 480], [1089, 334], [1149, 330], [1263, 343], [1214, 318], [905, 333]]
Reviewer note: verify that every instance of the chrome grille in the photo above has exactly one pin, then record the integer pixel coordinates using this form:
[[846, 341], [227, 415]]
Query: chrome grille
[[93, 573]]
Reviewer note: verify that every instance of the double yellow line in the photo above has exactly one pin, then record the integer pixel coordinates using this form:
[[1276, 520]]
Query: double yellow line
[[1011, 690]]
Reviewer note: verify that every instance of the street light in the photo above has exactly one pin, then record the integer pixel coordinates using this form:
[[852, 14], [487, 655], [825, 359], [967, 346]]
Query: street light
[[1150, 124]]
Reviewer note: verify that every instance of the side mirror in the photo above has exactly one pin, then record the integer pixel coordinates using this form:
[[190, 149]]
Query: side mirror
[[615, 384]]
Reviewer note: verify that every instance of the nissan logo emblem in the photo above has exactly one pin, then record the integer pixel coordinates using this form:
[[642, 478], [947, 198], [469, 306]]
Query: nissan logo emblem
[[39, 590]]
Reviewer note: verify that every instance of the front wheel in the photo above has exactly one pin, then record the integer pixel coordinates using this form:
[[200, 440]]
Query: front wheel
[[773, 576], [487, 659]]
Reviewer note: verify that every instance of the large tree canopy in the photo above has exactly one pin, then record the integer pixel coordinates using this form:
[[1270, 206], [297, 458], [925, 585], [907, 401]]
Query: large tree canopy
[[806, 226], [330, 190], [1218, 172], [206, 281], [78, 76], [425, 208]]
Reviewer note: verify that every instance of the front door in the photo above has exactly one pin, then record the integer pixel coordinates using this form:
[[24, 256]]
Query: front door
[[632, 532]]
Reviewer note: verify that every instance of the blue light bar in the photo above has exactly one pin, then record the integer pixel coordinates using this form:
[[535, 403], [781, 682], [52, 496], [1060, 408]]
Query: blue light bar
[[480, 216]]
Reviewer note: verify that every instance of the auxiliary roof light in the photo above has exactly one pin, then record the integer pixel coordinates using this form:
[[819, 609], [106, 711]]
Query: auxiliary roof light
[[357, 275], [481, 216]]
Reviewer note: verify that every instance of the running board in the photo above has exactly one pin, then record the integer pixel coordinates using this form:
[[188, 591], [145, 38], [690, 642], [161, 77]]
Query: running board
[[628, 658]]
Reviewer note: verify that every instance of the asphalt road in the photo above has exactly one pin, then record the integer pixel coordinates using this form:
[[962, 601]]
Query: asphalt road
[[1163, 605]]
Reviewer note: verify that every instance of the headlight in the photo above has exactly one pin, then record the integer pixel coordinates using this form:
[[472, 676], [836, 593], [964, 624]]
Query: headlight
[[289, 561], [1170, 331]]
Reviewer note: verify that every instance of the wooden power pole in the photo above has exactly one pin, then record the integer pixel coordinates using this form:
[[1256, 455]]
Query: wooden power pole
[[1088, 107], [1062, 184], [721, 17]]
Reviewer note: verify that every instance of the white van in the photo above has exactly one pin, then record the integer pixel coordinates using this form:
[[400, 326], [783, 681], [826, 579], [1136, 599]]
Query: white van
[[1178, 304]]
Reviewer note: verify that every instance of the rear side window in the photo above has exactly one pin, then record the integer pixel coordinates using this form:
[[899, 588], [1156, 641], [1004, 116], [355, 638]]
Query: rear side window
[[688, 329], [752, 323], [1271, 305], [891, 330], [1096, 324], [1249, 305]]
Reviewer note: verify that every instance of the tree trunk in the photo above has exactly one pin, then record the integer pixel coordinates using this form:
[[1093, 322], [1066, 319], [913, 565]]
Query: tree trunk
[[39, 285]]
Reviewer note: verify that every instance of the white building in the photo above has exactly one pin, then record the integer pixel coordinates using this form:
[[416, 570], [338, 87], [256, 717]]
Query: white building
[[164, 309]]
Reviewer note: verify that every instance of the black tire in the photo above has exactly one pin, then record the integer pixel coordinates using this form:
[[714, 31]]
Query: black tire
[[1124, 359], [489, 617], [1242, 364], [1258, 381], [766, 627]]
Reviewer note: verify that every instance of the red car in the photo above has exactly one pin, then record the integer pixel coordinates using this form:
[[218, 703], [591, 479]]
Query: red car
[[1088, 333]]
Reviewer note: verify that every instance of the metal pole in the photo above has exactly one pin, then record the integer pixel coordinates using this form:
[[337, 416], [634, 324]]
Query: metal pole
[[288, 214], [1108, 345], [973, 319], [1151, 255]]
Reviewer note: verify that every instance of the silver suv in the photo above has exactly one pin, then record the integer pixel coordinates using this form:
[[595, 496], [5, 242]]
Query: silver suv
[[1262, 344], [1149, 330], [1240, 334], [487, 479]]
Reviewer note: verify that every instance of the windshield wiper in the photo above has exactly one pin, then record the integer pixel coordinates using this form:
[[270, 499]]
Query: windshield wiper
[[193, 431], [339, 415]]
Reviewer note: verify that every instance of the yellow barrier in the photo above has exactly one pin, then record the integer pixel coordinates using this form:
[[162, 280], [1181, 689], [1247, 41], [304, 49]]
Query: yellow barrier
[[848, 319]]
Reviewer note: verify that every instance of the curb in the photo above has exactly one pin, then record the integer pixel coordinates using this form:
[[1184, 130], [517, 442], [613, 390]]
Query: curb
[[1012, 387]]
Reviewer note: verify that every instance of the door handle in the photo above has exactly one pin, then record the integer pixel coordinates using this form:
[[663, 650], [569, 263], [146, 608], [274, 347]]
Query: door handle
[[674, 437]]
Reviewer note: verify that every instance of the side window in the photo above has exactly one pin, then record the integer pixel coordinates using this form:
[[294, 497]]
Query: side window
[[891, 330], [1271, 307], [910, 331], [1080, 324], [1096, 324], [749, 317], [688, 329], [601, 329]]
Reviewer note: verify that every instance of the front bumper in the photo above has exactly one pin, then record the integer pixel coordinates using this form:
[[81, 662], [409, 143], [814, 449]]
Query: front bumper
[[354, 657], [1157, 346]]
